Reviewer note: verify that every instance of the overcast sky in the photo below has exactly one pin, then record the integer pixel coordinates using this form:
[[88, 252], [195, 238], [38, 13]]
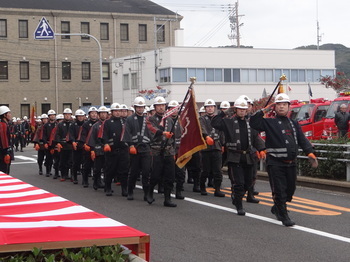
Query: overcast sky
[[281, 24]]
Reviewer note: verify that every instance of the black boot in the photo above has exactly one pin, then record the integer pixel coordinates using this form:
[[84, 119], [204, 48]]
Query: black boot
[[150, 198], [40, 170], [203, 189], [56, 174], [145, 192], [75, 177], [210, 182], [48, 171], [196, 187], [178, 194], [130, 192], [283, 212], [274, 210], [167, 199], [250, 196], [218, 192], [239, 206], [160, 188], [108, 190], [85, 182]]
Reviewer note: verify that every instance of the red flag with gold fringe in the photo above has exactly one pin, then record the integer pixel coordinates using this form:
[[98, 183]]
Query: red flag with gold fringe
[[32, 118], [192, 139]]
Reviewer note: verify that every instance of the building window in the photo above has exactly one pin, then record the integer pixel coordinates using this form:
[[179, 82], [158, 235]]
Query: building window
[[227, 75], [199, 73], [66, 71], [45, 108], [3, 28], [104, 31], [278, 74], [67, 105], [65, 29], [179, 75], [86, 71], [302, 77], [24, 70], [86, 104], [134, 81], [160, 33], [45, 70], [142, 33], [85, 29], [25, 110], [4, 72], [23, 28], [124, 32], [236, 75], [164, 75], [126, 82], [106, 71]]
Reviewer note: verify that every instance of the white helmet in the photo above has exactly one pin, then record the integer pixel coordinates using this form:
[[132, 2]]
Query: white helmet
[[59, 117], [147, 109], [79, 112], [202, 110], [225, 105], [51, 112], [24, 118], [139, 101], [18, 119], [241, 103], [103, 109], [67, 111], [93, 109], [131, 109], [44, 116], [209, 102], [4, 110], [282, 98], [159, 100], [246, 98], [123, 106], [13, 119], [173, 103], [151, 108], [115, 106]]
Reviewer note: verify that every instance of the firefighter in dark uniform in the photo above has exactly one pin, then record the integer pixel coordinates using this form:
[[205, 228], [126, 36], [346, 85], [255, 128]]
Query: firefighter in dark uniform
[[180, 173], [116, 151], [97, 148], [74, 132], [163, 151], [211, 157], [138, 137], [283, 138], [6, 152], [47, 129], [39, 142], [26, 129], [62, 143], [88, 164], [241, 141], [52, 147], [19, 133]]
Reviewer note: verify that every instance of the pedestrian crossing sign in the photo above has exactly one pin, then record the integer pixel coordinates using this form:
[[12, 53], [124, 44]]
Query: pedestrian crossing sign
[[44, 30]]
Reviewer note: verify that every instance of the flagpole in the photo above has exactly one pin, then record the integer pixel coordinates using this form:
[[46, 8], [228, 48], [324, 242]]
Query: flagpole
[[283, 77], [192, 79]]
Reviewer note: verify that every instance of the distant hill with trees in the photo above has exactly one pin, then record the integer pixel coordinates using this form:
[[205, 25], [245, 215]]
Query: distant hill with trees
[[342, 56]]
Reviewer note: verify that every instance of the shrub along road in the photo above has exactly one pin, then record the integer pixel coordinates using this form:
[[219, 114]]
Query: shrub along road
[[206, 228]]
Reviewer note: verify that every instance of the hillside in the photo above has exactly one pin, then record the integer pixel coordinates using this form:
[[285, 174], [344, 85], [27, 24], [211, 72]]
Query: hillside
[[342, 56]]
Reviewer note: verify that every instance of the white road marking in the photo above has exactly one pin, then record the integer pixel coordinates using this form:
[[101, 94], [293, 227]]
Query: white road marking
[[266, 219], [25, 158], [28, 160]]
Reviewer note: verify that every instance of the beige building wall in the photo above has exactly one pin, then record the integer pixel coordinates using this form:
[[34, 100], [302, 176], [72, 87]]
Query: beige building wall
[[18, 94]]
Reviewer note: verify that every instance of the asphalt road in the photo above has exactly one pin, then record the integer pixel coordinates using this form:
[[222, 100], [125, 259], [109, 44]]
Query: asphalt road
[[206, 228]]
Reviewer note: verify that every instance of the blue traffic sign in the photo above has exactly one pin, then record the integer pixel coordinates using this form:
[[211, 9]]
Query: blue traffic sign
[[44, 30]]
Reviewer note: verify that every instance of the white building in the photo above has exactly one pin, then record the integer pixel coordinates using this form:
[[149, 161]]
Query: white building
[[222, 73]]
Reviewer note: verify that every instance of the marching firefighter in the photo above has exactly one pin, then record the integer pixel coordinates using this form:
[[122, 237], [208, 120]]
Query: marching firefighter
[[116, 151], [211, 157], [6, 152], [47, 130], [138, 137], [82, 138], [39, 142], [163, 151], [179, 172], [96, 148], [241, 141], [19, 133], [283, 138], [53, 149], [64, 148], [74, 132]]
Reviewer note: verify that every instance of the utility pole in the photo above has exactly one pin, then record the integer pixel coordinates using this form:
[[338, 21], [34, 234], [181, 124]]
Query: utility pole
[[318, 28], [235, 25]]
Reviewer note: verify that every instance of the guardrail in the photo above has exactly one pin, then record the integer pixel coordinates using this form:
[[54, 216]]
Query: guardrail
[[344, 153]]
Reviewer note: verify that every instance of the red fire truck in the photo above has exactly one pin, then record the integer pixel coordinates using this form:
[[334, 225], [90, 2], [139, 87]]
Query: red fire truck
[[330, 130], [311, 116], [295, 106]]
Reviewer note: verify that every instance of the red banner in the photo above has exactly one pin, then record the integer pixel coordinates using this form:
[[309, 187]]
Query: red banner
[[32, 119], [192, 139]]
